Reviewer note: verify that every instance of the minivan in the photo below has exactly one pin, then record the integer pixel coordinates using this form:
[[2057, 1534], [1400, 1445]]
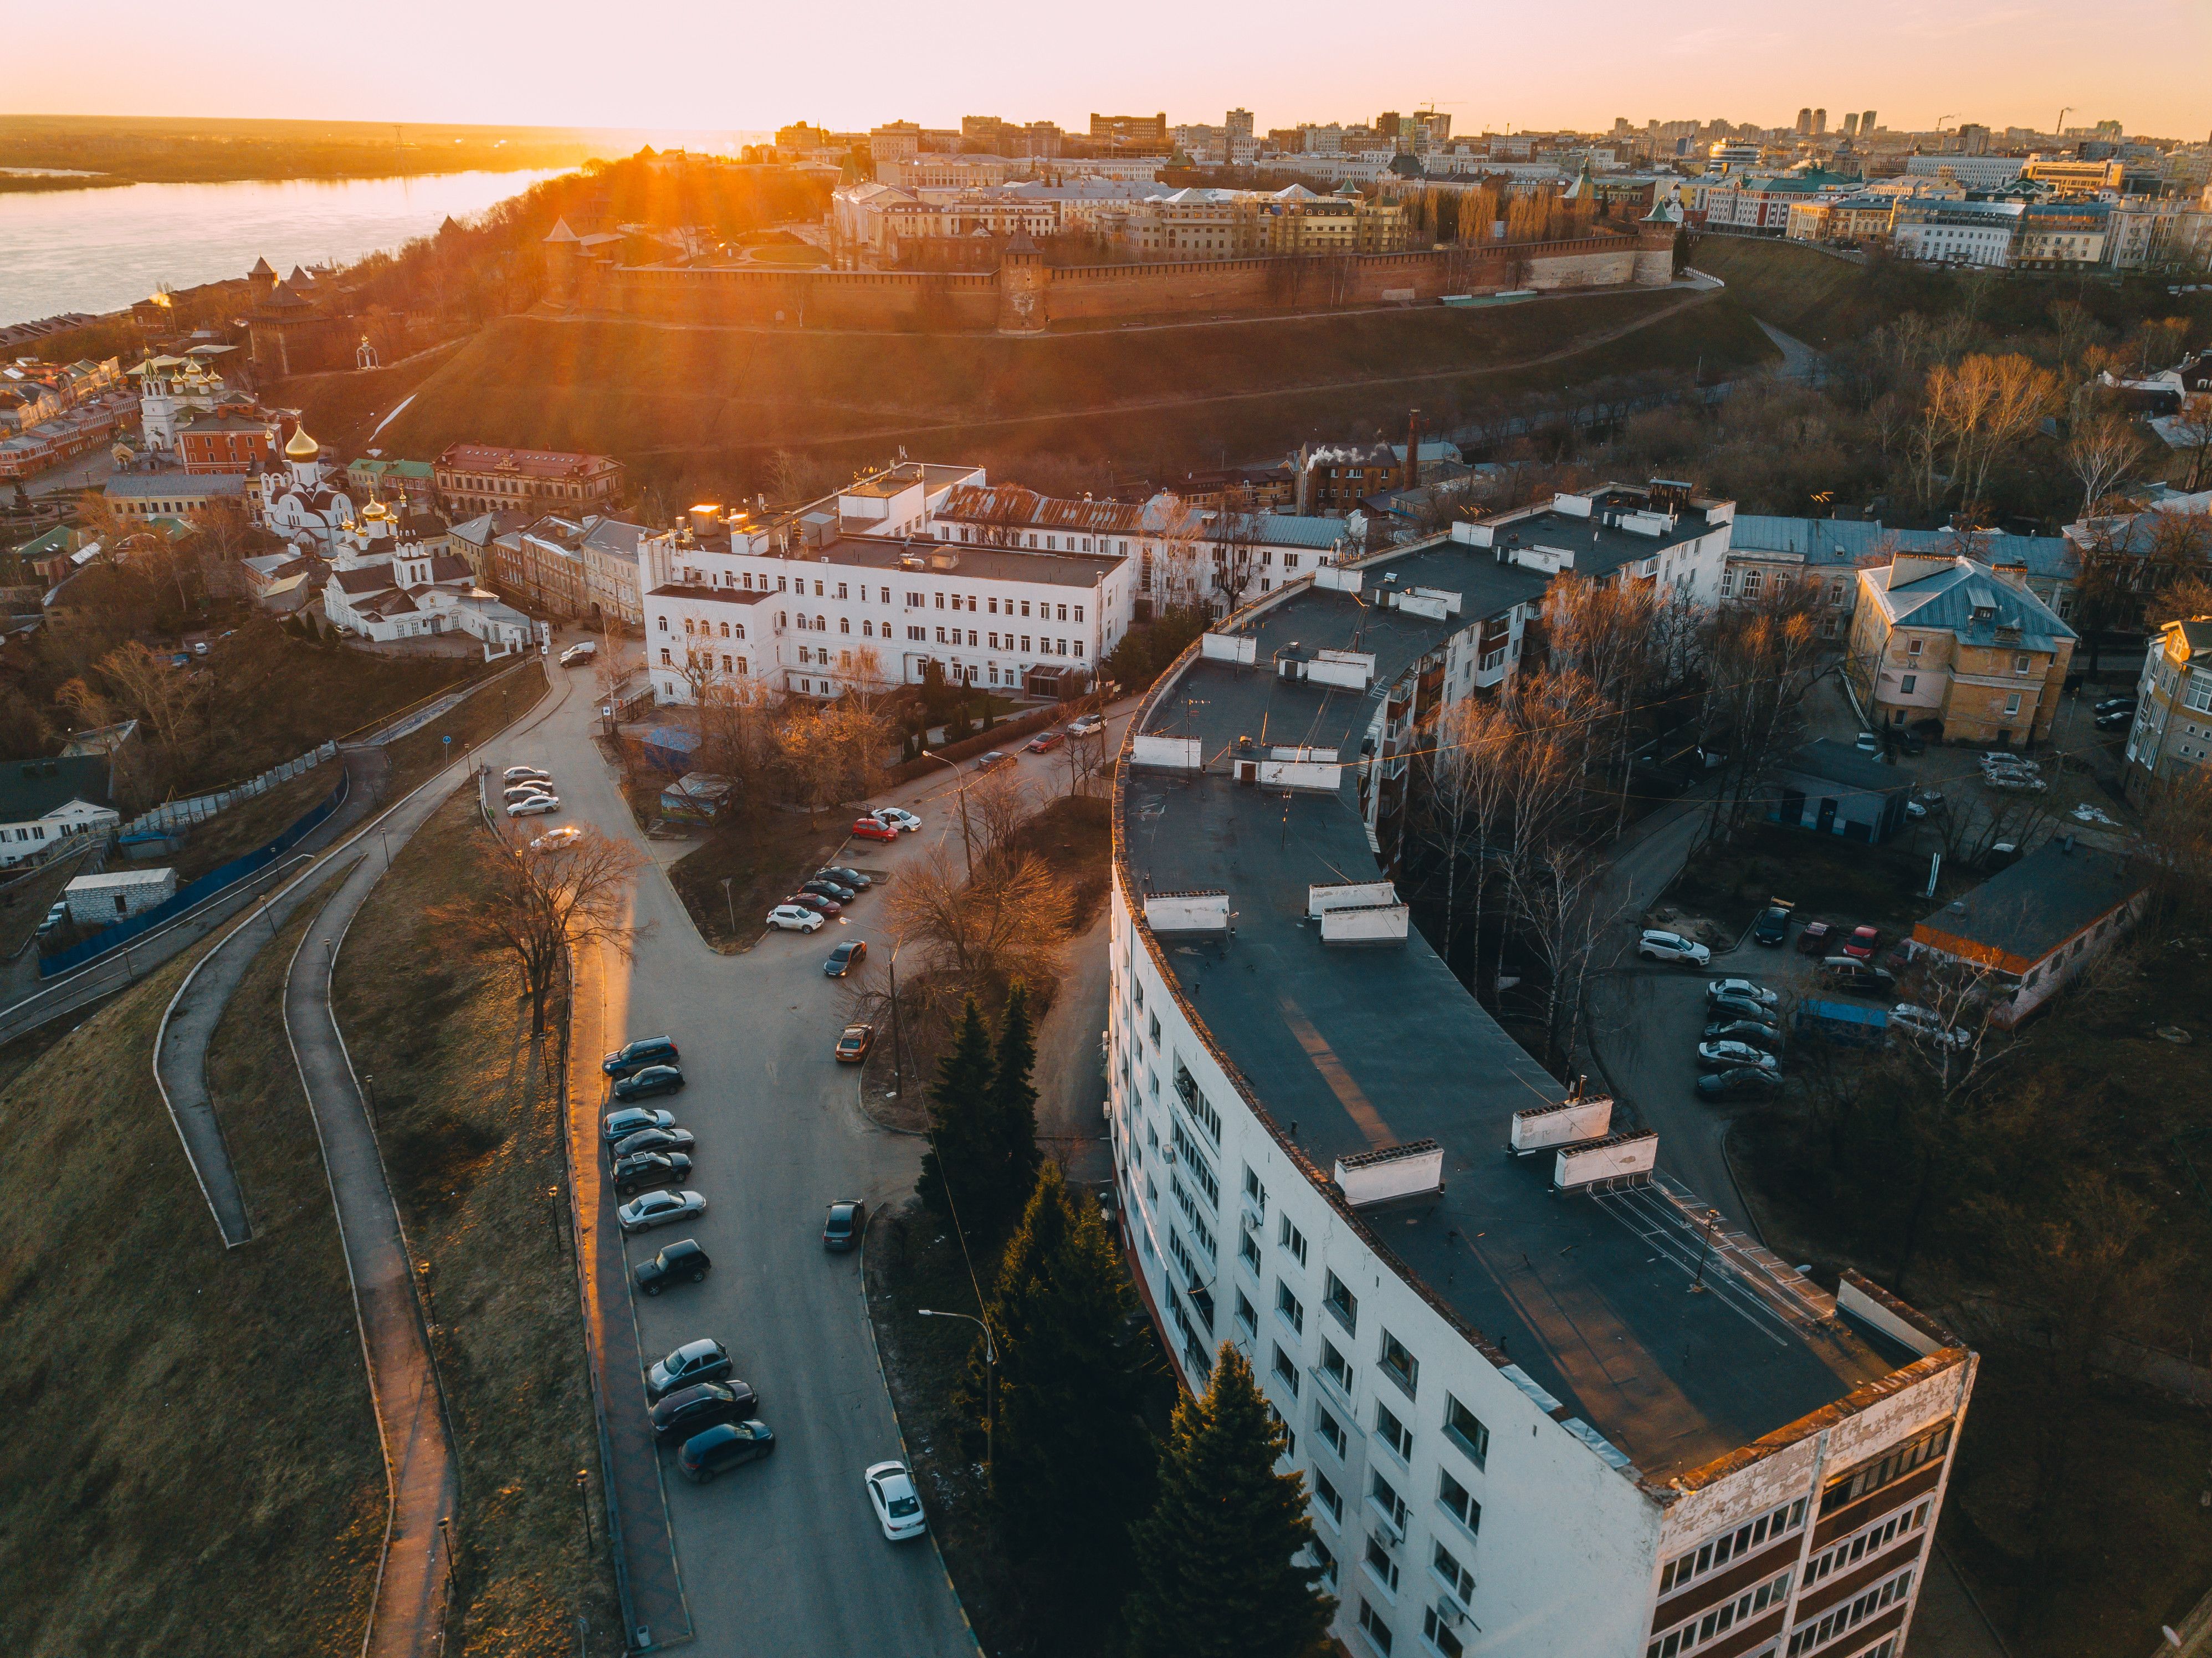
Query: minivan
[[645, 1051]]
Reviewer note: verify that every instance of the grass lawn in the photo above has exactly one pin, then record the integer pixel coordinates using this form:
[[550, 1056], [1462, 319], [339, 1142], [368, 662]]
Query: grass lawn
[[191, 1463], [1826, 877], [471, 1136], [1074, 835], [423, 753], [251, 823], [764, 856]]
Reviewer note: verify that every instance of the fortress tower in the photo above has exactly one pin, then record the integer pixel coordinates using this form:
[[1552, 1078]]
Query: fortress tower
[[1024, 306], [1654, 241]]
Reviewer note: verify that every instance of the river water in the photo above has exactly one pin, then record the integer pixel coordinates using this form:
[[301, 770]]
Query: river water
[[101, 249]]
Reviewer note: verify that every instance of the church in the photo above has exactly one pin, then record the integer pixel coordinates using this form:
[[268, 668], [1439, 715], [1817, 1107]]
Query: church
[[393, 578], [306, 502]]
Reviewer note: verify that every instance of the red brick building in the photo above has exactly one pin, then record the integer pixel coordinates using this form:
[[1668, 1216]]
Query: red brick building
[[229, 440], [483, 477]]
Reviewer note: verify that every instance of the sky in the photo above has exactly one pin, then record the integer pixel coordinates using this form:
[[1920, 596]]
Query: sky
[[710, 65]]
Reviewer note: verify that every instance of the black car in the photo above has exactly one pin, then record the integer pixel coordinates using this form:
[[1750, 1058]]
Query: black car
[[681, 1262], [653, 1079], [848, 1218], [654, 1139], [2117, 720], [1754, 1031], [1736, 1007], [691, 1410], [643, 1168], [845, 877], [726, 1446], [621, 1125], [635, 1056], [2116, 705], [1739, 1082], [846, 957], [1772, 927], [1858, 978], [822, 888]]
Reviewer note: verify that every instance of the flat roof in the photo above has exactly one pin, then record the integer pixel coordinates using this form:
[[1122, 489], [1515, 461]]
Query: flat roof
[[985, 563], [1351, 1050], [2029, 910], [1598, 548]]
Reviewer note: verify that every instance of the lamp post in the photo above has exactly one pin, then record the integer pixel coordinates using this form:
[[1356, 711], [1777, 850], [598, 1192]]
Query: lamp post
[[1705, 1249], [990, 1376], [961, 778], [731, 902]]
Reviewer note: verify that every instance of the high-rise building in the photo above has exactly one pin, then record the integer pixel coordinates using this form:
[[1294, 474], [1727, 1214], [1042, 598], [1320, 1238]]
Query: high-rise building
[[1129, 129], [1866, 125], [1388, 127], [1237, 124], [1820, 122], [1805, 123], [1851, 124]]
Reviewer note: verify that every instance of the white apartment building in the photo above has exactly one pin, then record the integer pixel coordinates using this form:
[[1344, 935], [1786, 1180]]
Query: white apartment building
[[1542, 1403], [1956, 232], [1974, 172]]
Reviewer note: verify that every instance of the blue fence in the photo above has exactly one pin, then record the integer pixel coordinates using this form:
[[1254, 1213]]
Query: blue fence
[[229, 874]]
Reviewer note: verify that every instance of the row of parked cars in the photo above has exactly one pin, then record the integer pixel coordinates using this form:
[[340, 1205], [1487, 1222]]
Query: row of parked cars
[[528, 792], [822, 896]]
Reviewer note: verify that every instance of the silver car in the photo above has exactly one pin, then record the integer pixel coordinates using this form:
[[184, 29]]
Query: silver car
[[642, 1214]]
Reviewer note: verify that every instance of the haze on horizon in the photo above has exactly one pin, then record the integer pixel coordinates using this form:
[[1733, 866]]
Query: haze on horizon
[[690, 65]]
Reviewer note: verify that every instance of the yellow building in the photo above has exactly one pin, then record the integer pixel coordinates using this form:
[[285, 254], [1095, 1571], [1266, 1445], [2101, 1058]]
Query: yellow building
[[2172, 735]]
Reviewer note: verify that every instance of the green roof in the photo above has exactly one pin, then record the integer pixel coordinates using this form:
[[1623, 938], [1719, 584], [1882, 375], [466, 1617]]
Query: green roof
[[56, 540]]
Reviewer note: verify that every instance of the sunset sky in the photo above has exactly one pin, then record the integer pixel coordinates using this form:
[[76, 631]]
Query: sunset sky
[[675, 65]]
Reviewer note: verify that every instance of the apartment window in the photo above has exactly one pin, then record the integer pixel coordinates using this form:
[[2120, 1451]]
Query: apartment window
[[1326, 1496], [1380, 1566], [1455, 1500], [1156, 1029], [1289, 1309], [2019, 662], [2012, 703], [1292, 1240], [1286, 1372], [1717, 1621], [1372, 1626], [1439, 1635], [1393, 1433], [1247, 1251], [1873, 1476], [1256, 1193], [1873, 1541], [919, 635], [666, 660], [1752, 582], [1383, 1498], [1331, 1431], [1400, 1365], [1465, 1430], [1727, 584], [1342, 1305], [1452, 1574], [1334, 1366], [1912, 647], [1324, 1563], [1811, 1636], [1246, 1316], [1731, 1544]]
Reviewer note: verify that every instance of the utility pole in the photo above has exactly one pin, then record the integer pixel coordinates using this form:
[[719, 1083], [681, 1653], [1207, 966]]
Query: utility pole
[[1704, 1249]]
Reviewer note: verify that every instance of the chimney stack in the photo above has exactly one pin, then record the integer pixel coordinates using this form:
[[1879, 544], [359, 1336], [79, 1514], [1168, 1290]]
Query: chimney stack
[[1413, 450]]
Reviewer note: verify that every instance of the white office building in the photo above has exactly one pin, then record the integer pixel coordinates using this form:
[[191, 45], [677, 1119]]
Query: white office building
[[1956, 232]]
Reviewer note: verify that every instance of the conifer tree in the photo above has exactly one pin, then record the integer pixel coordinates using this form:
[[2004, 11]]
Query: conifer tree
[[1014, 1110], [1072, 1461], [1214, 1573], [955, 1170]]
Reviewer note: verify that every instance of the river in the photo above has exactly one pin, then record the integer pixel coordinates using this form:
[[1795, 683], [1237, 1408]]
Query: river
[[101, 249]]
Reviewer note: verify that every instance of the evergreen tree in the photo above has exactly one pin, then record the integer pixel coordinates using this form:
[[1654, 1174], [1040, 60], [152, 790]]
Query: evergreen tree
[[1014, 1153], [955, 1181], [1071, 1459], [1214, 1556]]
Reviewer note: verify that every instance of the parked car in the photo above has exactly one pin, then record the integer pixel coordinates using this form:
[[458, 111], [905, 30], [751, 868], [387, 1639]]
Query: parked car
[[2117, 705], [991, 761], [690, 1410], [1741, 1082], [1723, 1056], [643, 1168], [1086, 724], [537, 806], [1657, 946], [2016, 783], [553, 840], [793, 917], [725, 1446], [870, 829], [529, 790], [845, 877], [653, 1079], [682, 1262], [525, 774], [897, 817], [1861, 944], [1046, 742], [1758, 992], [854, 1043], [659, 1208], [1915, 808], [898, 1506], [846, 957], [1736, 1007], [833, 890], [1756, 1032], [703, 1360], [1926, 1024], [636, 1055], [816, 903], [2118, 720], [1816, 938], [55, 915], [619, 1126], [654, 1139], [1856, 978], [575, 653], [847, 1220], [1867, 743], [1772, 927]]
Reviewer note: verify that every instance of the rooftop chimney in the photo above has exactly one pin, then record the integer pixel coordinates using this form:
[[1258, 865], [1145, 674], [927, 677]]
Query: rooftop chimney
[[1413, 450]]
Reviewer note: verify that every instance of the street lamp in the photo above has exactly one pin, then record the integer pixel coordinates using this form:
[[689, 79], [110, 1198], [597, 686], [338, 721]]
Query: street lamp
[[1705, 1249], [990, 1376], [961, 778], [731, 902]]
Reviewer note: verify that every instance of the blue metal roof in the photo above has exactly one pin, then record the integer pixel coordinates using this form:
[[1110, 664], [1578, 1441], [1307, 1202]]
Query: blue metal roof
[[1848, 541]]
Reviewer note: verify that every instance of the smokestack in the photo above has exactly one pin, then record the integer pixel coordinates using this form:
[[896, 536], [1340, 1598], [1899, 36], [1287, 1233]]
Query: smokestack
[[1413, 450]]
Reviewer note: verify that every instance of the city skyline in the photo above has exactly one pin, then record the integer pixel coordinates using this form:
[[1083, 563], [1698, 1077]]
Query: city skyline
[[751, 71]]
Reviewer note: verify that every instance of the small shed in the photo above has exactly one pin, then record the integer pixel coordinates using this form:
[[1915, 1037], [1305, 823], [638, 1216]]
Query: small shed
[[97, 901], [1831, 788], [669, 748], [699, 796]]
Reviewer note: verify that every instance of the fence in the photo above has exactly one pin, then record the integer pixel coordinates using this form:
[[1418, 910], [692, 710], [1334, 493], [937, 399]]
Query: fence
[[175, 814], [115, 937]]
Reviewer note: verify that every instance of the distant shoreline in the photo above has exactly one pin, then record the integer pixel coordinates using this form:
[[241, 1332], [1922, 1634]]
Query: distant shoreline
[[23, 183], [26, 184]]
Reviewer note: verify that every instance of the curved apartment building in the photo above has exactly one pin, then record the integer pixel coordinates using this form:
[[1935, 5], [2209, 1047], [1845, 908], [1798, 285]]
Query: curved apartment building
[[1544, 1403]]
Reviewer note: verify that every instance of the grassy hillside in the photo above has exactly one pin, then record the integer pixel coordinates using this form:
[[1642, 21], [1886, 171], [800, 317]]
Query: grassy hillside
[[706, 402], [1822, 300], [191, 1465]]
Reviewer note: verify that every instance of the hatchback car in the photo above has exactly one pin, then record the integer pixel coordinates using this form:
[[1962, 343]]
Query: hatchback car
[[655, 1139], [618, 1125], [869, 828], [897, 817], [1816, 938], [1926, 1024], [1757, 992], [700, 1406], [553, 840], [1772, 927], [1736, 1007], [635, 1056], [1756, 1032], [836, 891], [992, 760], [703, 1360], [1861, 944], [2118, 720], [642, 1168], [846, 957], [1867, 743], [2117, 705], [537, 806], [1723, 1056], [1046, 742], [1740, 1081], [791, 918], [528, 790], [854, 1043], [575, 653], [845, 877], [653, 1079], [1857, 978], [816, 903], [1655, 946], [659, 1209], [1084, 725], [525, 774], [847, 1220], [728, 1445], [898, 1506], [681, 1262]]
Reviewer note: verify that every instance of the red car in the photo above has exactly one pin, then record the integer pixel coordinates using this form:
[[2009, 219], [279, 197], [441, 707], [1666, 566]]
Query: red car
[[1815, 940], [1046, 742], [1860, 945], [869, 830], [816, 903]]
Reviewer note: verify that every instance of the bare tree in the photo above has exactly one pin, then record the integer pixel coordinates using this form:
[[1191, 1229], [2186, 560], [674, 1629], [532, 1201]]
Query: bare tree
[[999, 804], [1475, 748], [2193, 427], [975, 936], [1556, 887], [537, 905], [1762, 657], [2100, 451]]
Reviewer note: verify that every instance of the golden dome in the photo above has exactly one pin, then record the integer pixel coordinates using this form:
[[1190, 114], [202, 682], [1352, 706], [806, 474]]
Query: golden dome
[[302, 447], [375, 512]]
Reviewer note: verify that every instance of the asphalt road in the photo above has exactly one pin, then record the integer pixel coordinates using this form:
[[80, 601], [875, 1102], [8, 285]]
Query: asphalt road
[[783, 1555]]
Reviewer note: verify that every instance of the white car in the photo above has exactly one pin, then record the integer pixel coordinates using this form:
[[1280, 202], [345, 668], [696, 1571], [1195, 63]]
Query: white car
[[1757, 992], [896, 817], [575, 653], [525, 774], [1926, 1023], [793, 917], [523, 791], [658, 1209], [536, 806], [898, 1505], [1914, 809], [553, 840], [1655, 946], [1086, 724]]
